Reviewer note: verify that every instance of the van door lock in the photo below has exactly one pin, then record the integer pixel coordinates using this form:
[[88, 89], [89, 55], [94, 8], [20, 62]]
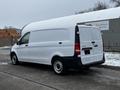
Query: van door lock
[[95, 45], [60, 42], [26, 45], [93, 42]]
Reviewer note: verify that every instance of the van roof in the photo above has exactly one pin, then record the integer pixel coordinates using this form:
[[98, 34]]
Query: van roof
[[70, 21]]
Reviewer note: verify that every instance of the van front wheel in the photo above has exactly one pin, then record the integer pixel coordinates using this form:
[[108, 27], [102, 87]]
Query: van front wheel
[[14, 59], [59, 67]]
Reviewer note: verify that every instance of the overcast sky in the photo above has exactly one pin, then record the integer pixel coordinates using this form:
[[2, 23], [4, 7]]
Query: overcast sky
[[17, 13]]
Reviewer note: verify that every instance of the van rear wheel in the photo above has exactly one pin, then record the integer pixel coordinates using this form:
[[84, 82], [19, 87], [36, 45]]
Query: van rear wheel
[[59, 67], [14, 59], [86, 68]]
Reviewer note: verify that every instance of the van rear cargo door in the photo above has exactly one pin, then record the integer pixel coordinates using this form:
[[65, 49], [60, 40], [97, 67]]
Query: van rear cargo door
[[90, 44]]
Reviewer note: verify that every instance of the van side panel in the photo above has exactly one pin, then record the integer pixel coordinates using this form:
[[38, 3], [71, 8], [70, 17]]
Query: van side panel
[[44, 44]]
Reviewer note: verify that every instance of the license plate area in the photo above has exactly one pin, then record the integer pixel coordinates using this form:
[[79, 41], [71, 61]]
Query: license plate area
[[87, 50]]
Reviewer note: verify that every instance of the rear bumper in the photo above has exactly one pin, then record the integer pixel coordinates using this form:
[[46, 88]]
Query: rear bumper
[[95, 63], [75, 62]]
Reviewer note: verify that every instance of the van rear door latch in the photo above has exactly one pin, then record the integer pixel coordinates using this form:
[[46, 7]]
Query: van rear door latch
[[60, 42]]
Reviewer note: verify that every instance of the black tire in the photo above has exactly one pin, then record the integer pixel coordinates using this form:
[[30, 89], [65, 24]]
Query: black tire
[[86, 68], [59, 67], [14, 59]]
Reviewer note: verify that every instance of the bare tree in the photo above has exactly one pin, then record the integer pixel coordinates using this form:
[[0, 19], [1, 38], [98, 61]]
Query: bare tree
[[84, 11], [117, 2], [100, 6]]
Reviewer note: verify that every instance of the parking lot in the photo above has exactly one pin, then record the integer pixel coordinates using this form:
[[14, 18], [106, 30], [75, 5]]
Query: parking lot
[[40, 77]]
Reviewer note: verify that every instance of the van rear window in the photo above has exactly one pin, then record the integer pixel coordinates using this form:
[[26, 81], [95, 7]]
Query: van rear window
[[88, 34]]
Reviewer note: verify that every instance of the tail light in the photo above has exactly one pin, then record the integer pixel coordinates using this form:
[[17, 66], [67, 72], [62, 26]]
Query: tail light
[[77, 48], [77, 41]]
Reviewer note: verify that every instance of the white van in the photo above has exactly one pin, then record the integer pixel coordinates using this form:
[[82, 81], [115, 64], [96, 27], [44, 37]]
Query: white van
[[63, 46]]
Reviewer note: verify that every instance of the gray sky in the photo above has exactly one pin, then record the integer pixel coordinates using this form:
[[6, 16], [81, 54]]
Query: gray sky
[[17, 13]]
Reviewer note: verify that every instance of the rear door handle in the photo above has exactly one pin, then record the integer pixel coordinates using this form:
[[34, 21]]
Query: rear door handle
[[26, 45], [93, 42], [95, 45], [60, 42], [87, 48]]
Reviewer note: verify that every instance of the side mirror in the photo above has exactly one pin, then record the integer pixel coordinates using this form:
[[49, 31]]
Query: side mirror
[[18, 43]]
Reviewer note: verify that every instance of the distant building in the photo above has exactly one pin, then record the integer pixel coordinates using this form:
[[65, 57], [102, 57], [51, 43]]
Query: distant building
[[111, 37], [18, 31], [8, 37]]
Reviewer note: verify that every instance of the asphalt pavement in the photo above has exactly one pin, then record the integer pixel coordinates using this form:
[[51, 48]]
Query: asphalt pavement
[[28, 76]]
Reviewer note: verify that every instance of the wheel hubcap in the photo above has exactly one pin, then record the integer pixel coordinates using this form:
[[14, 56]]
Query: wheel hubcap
[[58, 67], [14, 59]]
